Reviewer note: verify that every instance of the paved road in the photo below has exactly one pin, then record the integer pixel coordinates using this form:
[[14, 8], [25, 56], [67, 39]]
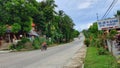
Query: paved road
[[54, 57]]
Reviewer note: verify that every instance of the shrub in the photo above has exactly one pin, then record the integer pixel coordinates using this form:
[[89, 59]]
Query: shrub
[[12, 47], [49, 41], [36, 43], [24, 40], [93, 60], [102, 51], [20, 44], [87, 42]]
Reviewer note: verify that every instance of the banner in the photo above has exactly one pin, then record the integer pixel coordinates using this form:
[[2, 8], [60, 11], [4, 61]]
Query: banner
[[108, 24]]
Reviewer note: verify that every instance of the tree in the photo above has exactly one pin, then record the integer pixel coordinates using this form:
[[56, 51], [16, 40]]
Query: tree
[[56, 25], [67, 28], [18, 11], [15, 29], [118, 12], [76, 33], [112, 34], [87, 42], [93, 28], [3, 29], [27, 26]]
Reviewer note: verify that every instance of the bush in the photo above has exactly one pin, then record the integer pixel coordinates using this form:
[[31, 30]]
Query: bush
[[20, 44], [49, 41], [87, 42], [12, 47], [102, 51], [42, 39], [24, 40], [93, 42], [17, 47], [36, 43]]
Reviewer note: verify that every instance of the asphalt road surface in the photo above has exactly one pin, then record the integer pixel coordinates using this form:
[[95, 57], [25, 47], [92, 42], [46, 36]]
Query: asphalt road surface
[[54, 57]]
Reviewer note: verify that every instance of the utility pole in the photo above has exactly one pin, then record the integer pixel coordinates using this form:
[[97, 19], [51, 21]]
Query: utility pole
[[97, 16]]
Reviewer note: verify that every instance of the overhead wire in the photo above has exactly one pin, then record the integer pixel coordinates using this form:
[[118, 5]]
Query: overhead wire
[[110, 8], [105, 4]]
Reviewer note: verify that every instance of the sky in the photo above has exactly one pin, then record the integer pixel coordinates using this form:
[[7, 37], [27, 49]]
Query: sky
[[84, 12]]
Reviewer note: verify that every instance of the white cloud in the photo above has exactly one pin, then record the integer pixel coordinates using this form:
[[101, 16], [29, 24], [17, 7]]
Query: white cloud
[[80, 27], [84, 5], [89, 24]]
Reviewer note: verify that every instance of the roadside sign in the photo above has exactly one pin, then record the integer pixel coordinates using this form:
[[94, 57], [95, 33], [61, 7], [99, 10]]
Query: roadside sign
[[108, 24]]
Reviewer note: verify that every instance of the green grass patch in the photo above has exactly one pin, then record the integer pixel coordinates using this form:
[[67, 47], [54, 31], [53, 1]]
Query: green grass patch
[[93, 60]]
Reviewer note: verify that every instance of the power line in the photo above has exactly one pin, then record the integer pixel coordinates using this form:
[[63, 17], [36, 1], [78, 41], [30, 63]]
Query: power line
[[110, 8], [105, 4]]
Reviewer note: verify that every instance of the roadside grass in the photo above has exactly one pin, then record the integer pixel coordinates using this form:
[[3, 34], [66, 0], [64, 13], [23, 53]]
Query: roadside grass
[[93, 60]]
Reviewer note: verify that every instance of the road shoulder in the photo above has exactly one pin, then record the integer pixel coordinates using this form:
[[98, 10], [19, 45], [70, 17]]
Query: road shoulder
[[77, 61]]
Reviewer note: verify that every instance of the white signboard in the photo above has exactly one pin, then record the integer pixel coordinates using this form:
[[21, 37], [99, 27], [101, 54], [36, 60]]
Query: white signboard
[[108, 24]]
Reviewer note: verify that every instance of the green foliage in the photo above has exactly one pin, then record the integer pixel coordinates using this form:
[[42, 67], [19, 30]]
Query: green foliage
[[49, 42], [112, 34], [39, 40], [55, 25], [18, 47], [18, 11], [36, 43], [99, 42], [24, 40], [93, 60], [86, 33], [87, 42], [118, 12], [93, 28], [93, 42], [96, 38], [16, 28], [20, 44], [12, 47], [2, 29], [76, 33], [27, 26], [102, 51]]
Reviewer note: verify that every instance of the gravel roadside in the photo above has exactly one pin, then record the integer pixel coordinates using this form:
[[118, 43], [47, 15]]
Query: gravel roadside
[[77, 61]]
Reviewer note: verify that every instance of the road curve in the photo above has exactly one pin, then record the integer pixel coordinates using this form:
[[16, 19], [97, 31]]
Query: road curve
[[54, 57]]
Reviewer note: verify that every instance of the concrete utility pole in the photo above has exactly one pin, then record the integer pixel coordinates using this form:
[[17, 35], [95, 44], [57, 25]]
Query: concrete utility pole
[[97, 16]]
